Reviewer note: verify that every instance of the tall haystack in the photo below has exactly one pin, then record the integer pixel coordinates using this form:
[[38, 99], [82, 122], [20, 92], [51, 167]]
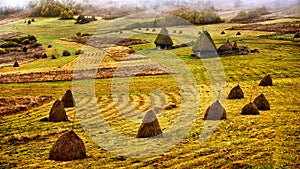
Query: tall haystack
[[215, 112], [16, 64], [297, 35], [150, 126], [266, 81], [236, 93], [163, 40], [57, 112], [68, 147], [250, 109], [223, 33], [238, 34], [261, 102], [68, 100]]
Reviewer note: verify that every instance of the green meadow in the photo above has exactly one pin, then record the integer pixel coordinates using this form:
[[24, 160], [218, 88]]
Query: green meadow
[[268, 140]]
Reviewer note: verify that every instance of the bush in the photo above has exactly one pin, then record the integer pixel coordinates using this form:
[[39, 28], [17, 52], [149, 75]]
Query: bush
[[44, 56], [37, 56], [24, 49], [26, 41], [53, 57], [49, 46], [32, 20], [29, 22], [66, 53], [36, 44], [9, 44], [2, 51]]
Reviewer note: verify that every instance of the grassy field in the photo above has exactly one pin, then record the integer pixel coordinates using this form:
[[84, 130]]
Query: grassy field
[[268, 140]]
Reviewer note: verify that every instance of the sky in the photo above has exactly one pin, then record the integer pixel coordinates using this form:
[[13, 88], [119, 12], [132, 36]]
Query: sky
[[151, 3]]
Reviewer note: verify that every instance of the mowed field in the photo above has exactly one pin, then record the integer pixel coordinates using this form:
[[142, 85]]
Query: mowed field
[[268, 140]]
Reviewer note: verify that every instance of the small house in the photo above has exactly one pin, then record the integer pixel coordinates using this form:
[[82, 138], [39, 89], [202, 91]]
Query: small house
[[163, 40]]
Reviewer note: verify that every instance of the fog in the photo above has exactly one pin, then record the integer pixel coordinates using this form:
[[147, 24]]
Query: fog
[[218, 4]]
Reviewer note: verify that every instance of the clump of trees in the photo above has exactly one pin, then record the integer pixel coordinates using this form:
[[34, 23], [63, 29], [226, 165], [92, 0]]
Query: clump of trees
[[198, 17], [243, 15], [50, 8]]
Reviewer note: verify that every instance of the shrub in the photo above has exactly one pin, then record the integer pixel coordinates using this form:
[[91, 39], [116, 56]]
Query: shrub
[[36, 44], [32, 20], [29, 22], [26, 41], [53, 56], [2, 51], [24, 49], [49, 46], [78, 34], [44, 56], [66, 53]]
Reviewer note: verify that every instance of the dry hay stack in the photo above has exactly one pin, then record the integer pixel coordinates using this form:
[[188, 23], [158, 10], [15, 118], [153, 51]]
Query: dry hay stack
[[170, 106], [68, 100], [57, 112], [266, 81], [238, 33], [119, 53], [215, 112], [223, 33], [261, 102], [250, 109], [236, 93], [150, 126], [68, 147], [235, 46], [16, 64], [297, 35]]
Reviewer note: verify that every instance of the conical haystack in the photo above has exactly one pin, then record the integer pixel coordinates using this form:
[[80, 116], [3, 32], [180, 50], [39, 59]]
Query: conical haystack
[[250, 109], [16, 64], [223, 33], [266, 81], [68, 147], [238, 34], [68, 100], [236, 93], [215, 112], [150, 126], [57, 112], [261, 102]]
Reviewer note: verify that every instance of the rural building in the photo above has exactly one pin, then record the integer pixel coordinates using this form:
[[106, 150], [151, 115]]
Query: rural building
[[163, 40], [205, 46]]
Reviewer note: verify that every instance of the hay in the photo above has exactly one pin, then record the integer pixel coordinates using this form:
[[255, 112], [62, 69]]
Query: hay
[[215, 112], [170, 106], [236, 93], [68, 100], [297, 35], [235, 46], [150, 126], [250, 109], [16, 64], [266, 81], [261, 102], [238, 34], [68, 147], [223, 33], [57, 112]]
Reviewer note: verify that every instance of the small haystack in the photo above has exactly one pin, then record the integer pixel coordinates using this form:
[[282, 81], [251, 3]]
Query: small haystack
[[153, 30], [236, 93], [68, 147], [68, 100], [250, 109], [223, 33], [147, 29], [180, 32], [170, 106], [57, 112], [266, 81], [215, 112], [297, 35], [235, 47], [16, 64], [150, 126], [261, 102], [238, 34], [174, 31]]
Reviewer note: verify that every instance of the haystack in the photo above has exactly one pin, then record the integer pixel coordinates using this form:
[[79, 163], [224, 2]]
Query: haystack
[[163, 40], [297, 35], [236, 93], [261, 102], [180, 32], [16, 64], [57, 112], [238, 34], [250, 109], [68, 147], [235, 46], [68, 100], [223, 33], [215, 112], [174, 31], [266, 81], [150, 126]]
